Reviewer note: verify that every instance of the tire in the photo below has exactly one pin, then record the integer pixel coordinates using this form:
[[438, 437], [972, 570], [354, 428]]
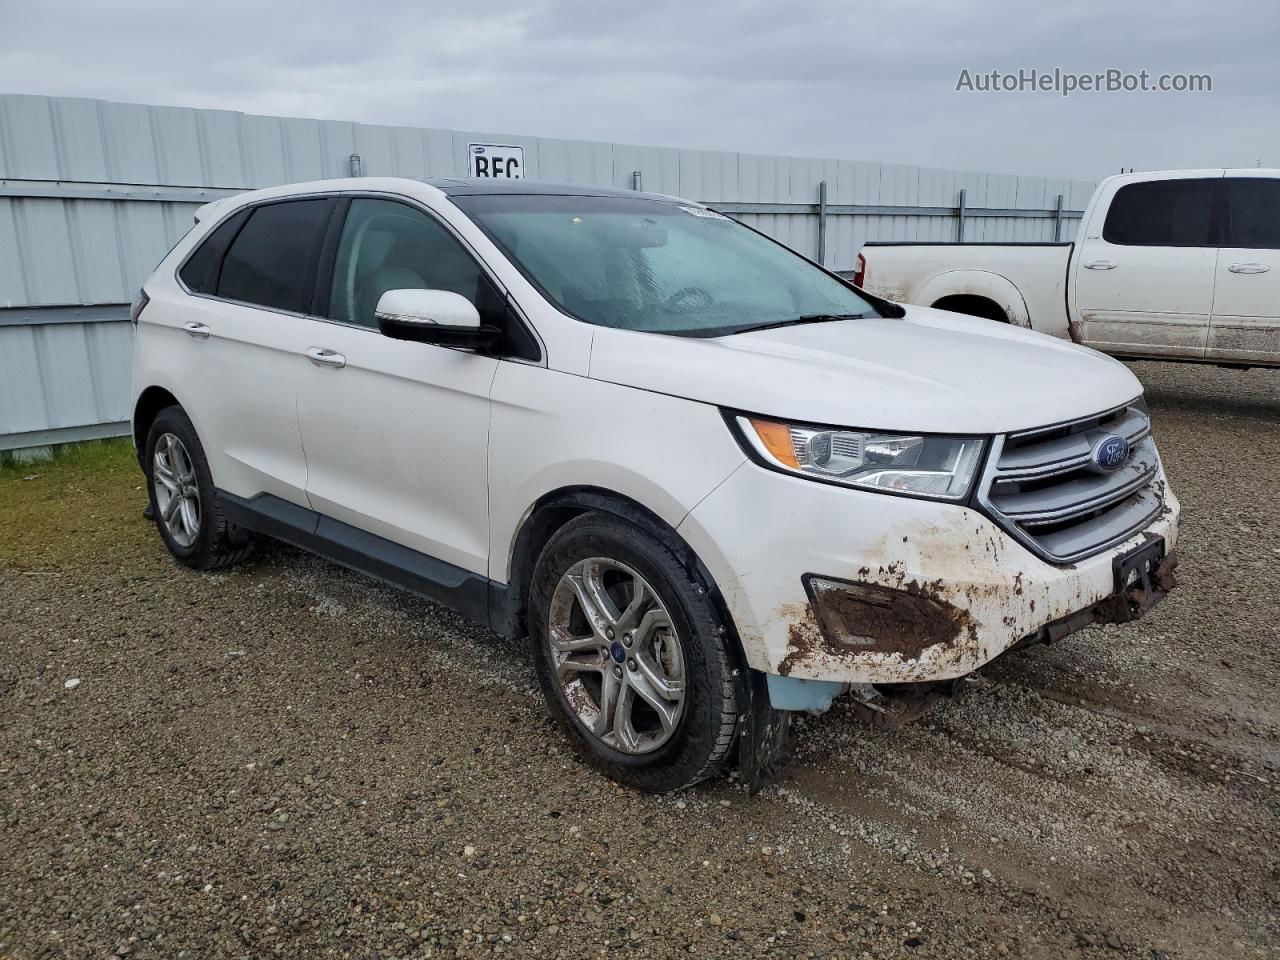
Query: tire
[[210, 542], [677, 648]]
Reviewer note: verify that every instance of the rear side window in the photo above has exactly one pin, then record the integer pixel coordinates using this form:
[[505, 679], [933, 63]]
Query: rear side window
[[200, 272], [1162, 213], [272, 260], [1253, 218]]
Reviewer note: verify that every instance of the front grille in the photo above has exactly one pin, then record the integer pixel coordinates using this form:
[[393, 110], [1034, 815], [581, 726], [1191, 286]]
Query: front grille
[[1043, 487]]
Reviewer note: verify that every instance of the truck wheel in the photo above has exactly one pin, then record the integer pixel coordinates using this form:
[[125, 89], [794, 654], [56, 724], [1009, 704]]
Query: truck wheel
[[631, 655], [184, 502]]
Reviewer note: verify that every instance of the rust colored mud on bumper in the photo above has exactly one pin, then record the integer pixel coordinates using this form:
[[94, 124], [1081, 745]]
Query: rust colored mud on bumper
[[906, 621], [1120, 607], [918, 618]]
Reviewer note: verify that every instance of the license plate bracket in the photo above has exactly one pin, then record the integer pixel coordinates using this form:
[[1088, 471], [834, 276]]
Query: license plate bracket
[[1137, 568]]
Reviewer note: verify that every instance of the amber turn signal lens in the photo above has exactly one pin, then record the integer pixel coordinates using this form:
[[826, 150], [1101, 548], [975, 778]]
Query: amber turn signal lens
[[776, 438]]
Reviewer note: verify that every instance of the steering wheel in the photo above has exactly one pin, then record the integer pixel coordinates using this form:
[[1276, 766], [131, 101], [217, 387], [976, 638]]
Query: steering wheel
[[688, 293]]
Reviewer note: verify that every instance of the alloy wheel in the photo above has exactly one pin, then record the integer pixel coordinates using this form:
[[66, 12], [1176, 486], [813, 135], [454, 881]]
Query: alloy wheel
[[177, 493], [616, 655]]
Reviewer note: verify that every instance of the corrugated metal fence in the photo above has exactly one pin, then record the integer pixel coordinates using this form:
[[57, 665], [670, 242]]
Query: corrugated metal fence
[[93, 193]]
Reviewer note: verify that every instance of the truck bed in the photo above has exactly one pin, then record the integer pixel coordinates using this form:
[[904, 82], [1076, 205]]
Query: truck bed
[[1025, 282]]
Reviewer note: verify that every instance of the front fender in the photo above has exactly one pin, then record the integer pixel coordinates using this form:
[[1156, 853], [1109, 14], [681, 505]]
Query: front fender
[[551, 431]]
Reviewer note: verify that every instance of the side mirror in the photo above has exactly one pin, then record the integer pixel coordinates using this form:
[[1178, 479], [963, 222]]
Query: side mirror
[[431, 316]]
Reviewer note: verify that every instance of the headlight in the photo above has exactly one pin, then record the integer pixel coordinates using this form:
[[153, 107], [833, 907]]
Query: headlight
[[938, 467]]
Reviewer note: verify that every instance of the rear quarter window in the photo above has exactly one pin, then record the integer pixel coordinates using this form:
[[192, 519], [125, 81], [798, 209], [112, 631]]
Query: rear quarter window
[[200, 272], [1162, 213]]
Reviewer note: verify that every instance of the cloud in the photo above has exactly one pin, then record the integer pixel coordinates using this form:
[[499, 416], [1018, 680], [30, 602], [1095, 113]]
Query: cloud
[[831, 79]]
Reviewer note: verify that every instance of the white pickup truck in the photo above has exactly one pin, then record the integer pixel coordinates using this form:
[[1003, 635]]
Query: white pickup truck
[[1181, 264]]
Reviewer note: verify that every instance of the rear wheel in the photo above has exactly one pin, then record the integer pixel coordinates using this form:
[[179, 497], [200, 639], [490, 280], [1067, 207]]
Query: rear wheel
[[631, 654], [183, 501]]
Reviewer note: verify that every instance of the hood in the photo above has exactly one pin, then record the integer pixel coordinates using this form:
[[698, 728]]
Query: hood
[[932, 371]]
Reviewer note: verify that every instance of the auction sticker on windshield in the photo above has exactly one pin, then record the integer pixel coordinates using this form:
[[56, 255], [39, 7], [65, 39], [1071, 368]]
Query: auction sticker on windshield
[[500, 161], [703, 212]]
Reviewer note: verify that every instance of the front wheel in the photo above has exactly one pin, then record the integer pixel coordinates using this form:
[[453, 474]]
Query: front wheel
[[632, 655]]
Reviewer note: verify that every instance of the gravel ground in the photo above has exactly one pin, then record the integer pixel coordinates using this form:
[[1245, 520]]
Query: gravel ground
[[288, 760]]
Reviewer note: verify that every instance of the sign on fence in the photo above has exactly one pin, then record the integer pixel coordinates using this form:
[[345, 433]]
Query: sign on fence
[[495, 160]]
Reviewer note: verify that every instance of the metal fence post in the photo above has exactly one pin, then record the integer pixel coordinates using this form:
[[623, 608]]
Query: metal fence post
[[354, 160], [1057, 220], [822, 223], [636, 180], [960, 219]]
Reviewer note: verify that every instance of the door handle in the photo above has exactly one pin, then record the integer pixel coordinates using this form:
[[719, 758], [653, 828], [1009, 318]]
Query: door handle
[[198, 330], [1101, 265], [1249, 268], [323, 357]]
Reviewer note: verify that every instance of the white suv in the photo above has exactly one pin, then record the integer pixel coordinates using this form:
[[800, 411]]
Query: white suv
[[711, 481]]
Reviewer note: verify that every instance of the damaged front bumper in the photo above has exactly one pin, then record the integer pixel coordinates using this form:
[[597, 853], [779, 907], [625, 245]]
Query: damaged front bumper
[[891, 705], [769, 699], [1150, 585], [842, 589]]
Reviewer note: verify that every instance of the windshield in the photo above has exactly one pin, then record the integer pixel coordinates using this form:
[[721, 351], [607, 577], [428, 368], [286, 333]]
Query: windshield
[[658, 266]]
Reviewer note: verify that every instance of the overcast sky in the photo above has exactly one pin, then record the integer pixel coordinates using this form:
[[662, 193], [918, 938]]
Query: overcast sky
[[853, 80]]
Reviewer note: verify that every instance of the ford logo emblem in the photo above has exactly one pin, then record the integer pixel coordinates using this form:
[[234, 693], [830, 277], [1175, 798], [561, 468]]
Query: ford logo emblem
[[477, 150], [1110, 453]]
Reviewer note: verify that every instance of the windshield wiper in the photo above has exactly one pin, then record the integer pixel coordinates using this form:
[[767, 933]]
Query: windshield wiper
[[797, 321]]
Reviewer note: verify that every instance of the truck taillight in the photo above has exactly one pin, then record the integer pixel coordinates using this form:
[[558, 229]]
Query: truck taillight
[[860, 274], [139, 304]]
